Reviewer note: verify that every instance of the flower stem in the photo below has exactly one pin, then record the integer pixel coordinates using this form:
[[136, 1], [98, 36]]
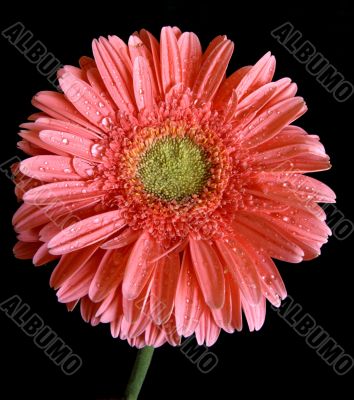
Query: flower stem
[[139, 371]]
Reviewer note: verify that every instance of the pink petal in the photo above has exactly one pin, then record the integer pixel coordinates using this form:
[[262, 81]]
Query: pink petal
[[236, 310], [26, 250], [302, 186], [209, 272], [258, 101], [241, 269], [170, 331], [23, 217], [300, 164], [76, 72], [285, 91], [30, 149], [154, 335], [290, 135], [33, 138], [49, 168], [124, 238], [171, 70], [163, 288], [114, 310], [138, 48], [57, 125], [48, 231], [255, 315], [86, 232], [212, 71], [95, 80], [299, 222], [71, 305], [191, 57], [260, 74], [264, 235], [107, 301], [271, 122], [86, 100], [212, 45], [86, 63], [273, 287], [109, 274], [188, 302], [207, 331], [223, 316], [230, 108], [30, 235], [139, 269], [72, 144], [154, 47], [115, 327], [43, 256], [83, 168], [137, 310], [228, 86], [121, 49], [177, 32], [69, 264], [88, 310], [284, 153], [114, 74], [57, 106], [143, 84], [59, 192], [77, 285]]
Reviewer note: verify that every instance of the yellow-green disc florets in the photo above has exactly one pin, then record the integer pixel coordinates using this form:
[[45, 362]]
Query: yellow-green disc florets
[[174, 168]]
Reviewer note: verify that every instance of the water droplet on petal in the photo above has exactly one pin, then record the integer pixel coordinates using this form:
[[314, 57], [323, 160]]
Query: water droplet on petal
[[97, 150], [106, 122]]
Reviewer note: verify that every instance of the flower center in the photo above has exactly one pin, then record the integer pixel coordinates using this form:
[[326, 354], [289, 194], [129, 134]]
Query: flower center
[[174, 168]]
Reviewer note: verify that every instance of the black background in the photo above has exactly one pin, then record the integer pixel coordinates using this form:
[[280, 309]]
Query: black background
[[273, 362]]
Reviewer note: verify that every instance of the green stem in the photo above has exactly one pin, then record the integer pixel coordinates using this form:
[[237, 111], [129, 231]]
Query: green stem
[[138, 373]]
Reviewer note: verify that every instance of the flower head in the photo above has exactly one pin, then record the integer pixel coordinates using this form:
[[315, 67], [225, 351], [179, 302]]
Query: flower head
[[165, 189]]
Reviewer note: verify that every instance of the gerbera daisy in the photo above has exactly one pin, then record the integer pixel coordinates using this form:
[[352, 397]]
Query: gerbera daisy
[[165, 189]]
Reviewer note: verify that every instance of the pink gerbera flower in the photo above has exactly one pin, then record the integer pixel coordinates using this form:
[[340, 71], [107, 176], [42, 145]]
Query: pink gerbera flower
[[165, 189]]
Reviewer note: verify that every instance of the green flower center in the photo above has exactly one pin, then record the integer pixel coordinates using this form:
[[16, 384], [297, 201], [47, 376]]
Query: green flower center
[[174, 168]]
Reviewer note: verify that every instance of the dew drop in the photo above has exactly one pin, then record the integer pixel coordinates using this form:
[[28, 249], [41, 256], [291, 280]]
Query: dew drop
[[96, 150], [106, 122]]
